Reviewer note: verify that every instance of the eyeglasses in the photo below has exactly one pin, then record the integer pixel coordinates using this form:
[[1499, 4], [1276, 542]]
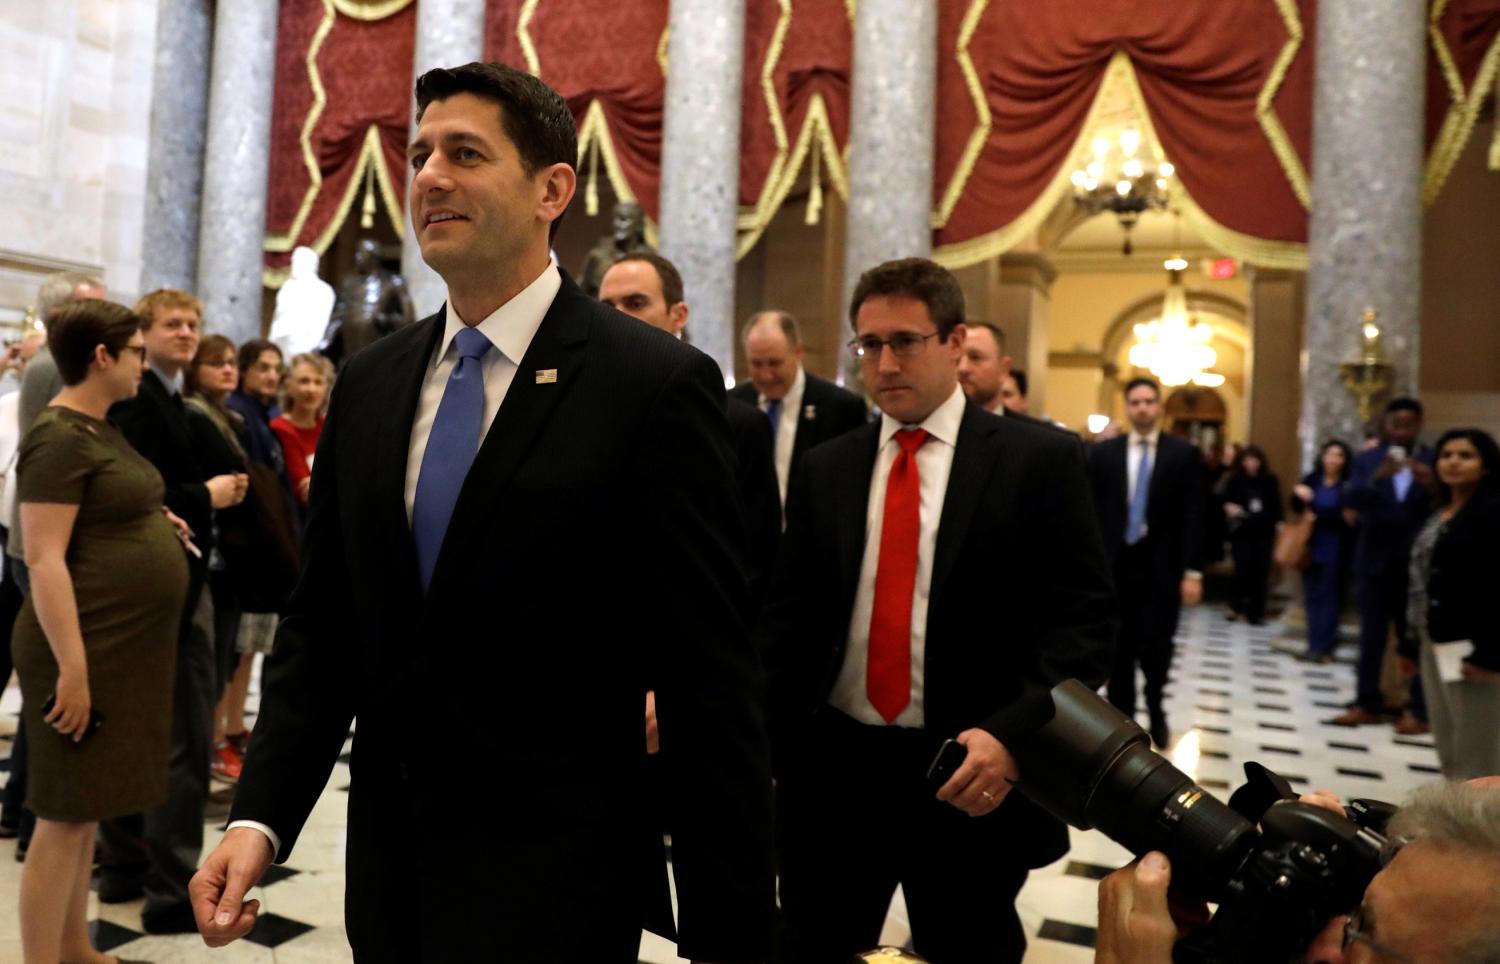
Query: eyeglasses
[[140, 351], [904, 344], [1354, 932]]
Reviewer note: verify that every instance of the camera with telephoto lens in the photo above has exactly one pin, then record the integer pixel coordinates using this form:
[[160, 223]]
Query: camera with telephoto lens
[[1277, 884]]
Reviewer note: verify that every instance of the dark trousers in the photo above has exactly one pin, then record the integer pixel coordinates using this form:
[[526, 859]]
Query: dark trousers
[[858, 819], [1148, 621], [226, 629], [1320, 595], [1381, 598], [13, 801], [162, 846], [1252, 576]]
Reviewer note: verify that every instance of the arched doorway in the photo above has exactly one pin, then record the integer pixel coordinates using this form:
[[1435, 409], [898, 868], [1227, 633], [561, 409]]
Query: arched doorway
[[1198, 415]]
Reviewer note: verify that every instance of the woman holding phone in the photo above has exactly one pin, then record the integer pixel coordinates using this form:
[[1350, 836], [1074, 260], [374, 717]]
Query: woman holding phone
[[95, 642]]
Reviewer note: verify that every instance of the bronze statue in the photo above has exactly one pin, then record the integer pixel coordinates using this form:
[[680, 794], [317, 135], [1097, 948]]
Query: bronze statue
[[372, 303], [627, 225]]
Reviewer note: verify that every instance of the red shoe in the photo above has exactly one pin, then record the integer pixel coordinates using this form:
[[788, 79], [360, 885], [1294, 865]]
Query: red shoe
[[226, 764], [239, 741]]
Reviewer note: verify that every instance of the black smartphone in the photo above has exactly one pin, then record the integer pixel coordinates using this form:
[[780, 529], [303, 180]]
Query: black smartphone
[[96, 719], [950, 756]]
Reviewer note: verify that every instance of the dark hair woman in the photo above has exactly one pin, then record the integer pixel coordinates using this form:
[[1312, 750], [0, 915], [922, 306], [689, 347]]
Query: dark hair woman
[[1455, 569], [1252, 505], [1321, 492], [95, 641]]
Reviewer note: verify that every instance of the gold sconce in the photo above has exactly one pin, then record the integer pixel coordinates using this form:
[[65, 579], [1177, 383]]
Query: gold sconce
[[1371, 375]]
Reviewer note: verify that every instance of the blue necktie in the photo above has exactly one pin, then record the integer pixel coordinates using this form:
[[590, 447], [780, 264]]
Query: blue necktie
[[451, 447], [773, 412], [1135, 526]]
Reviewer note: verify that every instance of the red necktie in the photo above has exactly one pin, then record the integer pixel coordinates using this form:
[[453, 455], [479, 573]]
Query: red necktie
[[888, 670]]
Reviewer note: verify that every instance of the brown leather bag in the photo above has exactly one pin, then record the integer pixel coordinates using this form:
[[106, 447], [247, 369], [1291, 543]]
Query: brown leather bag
[[1293, 543]]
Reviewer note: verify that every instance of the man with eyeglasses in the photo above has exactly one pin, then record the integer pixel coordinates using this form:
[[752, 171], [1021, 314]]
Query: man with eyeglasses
[[881, 641], [1435, 902]]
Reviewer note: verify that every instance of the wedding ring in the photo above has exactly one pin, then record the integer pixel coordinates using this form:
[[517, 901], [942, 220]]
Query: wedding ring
[[988, 795]]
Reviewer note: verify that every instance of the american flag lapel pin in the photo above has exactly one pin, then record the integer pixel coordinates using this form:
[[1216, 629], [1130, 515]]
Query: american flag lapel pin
[[546, 376], [809, 412]]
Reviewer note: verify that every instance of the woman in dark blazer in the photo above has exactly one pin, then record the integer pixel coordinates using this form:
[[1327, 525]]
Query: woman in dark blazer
[[1252, 505], [1455, 570], [1321, 492]]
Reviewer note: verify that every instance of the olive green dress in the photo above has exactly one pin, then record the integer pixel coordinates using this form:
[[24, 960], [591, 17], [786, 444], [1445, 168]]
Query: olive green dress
[[130, 580]]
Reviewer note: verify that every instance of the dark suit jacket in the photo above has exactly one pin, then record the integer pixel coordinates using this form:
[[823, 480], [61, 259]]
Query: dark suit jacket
[[1461, 587], [1020, 596], [1386, 526], [833, 412], [760, 494], [156, 423], [1174, 506], [594, 553]]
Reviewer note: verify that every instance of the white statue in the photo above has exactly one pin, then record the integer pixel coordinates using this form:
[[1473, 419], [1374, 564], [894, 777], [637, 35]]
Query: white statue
[[303, 306]]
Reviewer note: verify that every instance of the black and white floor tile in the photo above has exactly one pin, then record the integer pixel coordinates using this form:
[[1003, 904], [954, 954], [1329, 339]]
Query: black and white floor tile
[[1233, 699]]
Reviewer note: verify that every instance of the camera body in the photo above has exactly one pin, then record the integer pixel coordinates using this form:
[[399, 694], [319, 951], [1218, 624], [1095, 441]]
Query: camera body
[[1276, 886]]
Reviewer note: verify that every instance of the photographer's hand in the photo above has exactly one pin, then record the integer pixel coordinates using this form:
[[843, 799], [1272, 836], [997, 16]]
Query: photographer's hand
[[1135, 920]]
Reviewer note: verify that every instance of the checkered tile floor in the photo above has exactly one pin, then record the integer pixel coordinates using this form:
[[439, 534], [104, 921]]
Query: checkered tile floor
[[1233, 699]]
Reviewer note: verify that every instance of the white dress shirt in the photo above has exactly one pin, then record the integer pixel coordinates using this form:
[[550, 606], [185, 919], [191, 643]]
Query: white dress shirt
[[786, 429], [1133, 465], [510, 329], [934, 463]]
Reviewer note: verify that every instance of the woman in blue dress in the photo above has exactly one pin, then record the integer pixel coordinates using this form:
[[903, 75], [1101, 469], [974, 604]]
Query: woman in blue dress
[[1322, 493]]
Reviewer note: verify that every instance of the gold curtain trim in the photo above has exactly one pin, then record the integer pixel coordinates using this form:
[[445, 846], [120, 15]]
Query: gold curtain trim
[[1463, 113], [370, 154], [594, 132], [816, 133], [281, 243], [523, 34], [1265, 110], [370, 9], [661, 48], [758, 216], [981, 131]]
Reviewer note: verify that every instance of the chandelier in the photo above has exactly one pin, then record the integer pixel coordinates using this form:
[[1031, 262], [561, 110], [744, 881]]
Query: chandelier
[[1118, 178], [1175, 347]]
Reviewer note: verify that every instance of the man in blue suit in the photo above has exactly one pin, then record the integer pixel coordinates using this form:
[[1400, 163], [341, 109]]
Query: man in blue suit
[[1391, 486]]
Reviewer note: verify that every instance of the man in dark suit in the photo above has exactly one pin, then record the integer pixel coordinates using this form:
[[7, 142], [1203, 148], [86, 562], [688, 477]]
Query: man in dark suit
[[498, 492], [803, 409], [881, 639], [1391, 486], [158, 852], [1148, 493]]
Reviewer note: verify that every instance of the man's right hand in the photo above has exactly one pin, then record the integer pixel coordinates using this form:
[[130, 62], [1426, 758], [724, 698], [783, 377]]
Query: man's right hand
[[1135, 918], [218, 889], [227, 490]]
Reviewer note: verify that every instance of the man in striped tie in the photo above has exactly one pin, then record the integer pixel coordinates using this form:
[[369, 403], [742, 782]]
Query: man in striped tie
[[910, 542]]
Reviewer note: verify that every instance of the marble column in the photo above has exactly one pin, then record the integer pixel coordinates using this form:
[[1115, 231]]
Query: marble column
[[890, 136], [231, 245], [450, 33], [701, 164], [1365, 238], [174, 160]]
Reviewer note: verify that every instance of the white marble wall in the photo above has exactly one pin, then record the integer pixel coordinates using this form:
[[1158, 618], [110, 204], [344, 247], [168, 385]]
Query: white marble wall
[[75, 100]]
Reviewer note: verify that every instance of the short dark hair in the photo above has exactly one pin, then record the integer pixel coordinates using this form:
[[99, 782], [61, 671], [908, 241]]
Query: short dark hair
[[1138, 382], [1489, 455], [251, 351], [1404, 404], [995, 331], [79, 327], [918, 278], [534, 116], [790, 329], [666, 271], [1019, 374]]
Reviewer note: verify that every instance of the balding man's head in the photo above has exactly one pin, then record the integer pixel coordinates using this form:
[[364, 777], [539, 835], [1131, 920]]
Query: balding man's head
[[63, 287], [773, 350]]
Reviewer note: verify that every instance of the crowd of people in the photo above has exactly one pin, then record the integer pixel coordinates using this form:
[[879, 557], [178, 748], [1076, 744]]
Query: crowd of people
[[533, 493]]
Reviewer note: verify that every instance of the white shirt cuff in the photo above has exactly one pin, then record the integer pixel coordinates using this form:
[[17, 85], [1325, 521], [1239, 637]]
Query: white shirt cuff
[[270, 834], [1192, 574]]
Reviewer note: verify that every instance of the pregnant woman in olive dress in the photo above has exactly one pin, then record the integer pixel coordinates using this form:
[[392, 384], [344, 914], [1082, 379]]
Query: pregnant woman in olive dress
[[96, 638]]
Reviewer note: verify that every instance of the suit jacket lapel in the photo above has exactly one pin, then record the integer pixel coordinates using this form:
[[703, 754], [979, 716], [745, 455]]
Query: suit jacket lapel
[[408, 370], [973, 459], [558, 345], [851, 505]]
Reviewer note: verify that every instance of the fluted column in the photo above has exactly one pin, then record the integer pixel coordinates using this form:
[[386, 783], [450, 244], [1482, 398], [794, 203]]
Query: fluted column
[[237, 158], [174, 162], [450, 33], [1365, 239], [890, 135], [701, 164]]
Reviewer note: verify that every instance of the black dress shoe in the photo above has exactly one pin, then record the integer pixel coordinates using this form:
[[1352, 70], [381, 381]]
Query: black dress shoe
[[1160, 735], [173, 919], [115, 889]]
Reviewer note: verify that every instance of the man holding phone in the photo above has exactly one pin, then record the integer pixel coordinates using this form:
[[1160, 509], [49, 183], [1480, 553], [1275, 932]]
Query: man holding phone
[[882, 637]]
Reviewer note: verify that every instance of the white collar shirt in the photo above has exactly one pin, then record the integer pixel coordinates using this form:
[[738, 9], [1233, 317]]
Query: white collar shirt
[[934, 464], [786, 427], [1133, 460], [510, 328]]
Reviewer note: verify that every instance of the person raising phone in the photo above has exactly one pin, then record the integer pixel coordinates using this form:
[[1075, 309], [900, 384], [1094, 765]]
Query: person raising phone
[[95, 640]]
